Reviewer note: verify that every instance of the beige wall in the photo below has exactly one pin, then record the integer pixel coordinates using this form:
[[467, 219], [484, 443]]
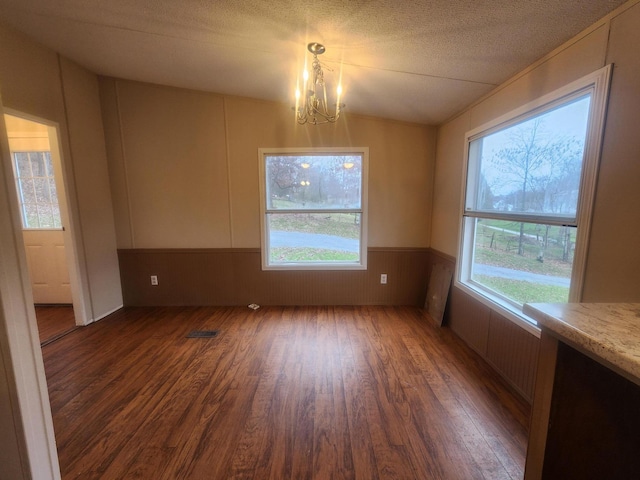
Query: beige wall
[[86, 173], [613, 263], [447, 185], [37, 83], [184, 167]]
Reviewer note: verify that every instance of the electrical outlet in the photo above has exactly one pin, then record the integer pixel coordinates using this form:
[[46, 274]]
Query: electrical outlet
[[383, 278], [154, 280]]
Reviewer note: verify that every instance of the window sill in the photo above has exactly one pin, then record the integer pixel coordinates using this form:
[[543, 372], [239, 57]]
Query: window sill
[[293, 267]]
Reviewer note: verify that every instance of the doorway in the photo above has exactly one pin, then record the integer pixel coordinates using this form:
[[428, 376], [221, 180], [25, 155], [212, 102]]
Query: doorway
[[41, 196]]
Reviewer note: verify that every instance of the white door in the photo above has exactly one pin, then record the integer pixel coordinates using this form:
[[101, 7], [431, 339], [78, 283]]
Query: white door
[[47, 266], [38, 191]]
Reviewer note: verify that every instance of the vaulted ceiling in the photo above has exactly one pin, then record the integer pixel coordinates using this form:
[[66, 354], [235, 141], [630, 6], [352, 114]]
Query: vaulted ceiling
[[414, 60]]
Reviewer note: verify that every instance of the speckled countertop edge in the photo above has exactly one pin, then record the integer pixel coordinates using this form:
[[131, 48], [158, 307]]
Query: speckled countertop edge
[[609, 331]]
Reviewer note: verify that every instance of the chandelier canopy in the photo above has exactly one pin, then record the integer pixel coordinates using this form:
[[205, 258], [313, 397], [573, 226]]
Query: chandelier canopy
[[312, 107]]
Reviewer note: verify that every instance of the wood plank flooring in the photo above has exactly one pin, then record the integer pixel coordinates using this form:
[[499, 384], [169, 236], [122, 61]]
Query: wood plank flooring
[[280, 393], [54, 321]]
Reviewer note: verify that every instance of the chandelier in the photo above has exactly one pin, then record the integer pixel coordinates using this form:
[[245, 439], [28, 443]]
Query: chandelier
[[313, 107]]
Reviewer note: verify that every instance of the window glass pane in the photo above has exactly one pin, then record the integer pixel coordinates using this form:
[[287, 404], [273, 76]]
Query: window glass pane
[[48, 163], [45, 214], [37, 190], [37, 164], [314, 237], [532, 167], [523, 262], [30, 215], [313, 182], [27, 191], [42, 190], [53, 191], [23, 168], [57, 220]]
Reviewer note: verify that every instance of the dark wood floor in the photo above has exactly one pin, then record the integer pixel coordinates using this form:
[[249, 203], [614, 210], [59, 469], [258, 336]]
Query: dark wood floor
[[300, 393], [54, 321]]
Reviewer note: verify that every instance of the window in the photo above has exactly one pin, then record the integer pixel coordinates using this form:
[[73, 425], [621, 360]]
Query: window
[[37, 190], [528, 195], [313, 206]]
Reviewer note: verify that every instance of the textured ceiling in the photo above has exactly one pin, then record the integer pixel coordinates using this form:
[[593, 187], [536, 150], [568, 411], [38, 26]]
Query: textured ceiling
[[419, 61]]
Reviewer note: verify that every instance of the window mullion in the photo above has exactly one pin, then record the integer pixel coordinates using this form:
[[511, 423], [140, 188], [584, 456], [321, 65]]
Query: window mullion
[[320, 211], [521, 217]]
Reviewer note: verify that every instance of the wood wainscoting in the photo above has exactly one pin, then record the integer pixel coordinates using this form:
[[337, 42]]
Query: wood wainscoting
[[228, 277], [510, 349]]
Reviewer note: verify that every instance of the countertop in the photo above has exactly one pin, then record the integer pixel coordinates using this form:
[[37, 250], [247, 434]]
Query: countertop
[[607, 332]]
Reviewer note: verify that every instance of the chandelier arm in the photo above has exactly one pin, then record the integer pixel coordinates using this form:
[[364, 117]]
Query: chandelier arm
[[315, 105]]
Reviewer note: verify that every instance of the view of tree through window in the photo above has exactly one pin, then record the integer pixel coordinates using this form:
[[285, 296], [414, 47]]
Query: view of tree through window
[[313, 209], [521, 206], [37, 190]]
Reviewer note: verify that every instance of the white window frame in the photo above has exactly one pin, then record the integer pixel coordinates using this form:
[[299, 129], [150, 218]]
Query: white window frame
[[264, 212], [596, 84]]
